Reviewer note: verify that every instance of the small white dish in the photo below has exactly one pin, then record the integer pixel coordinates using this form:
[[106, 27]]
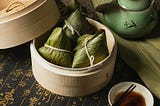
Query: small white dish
[[120, 87]]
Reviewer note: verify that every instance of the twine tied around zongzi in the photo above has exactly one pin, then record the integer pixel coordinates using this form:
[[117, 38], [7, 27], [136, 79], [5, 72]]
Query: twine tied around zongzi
[[14, 5], [57, 49], [71, 28], [90, 57]]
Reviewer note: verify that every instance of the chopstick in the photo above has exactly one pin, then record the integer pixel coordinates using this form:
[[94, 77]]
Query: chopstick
[[124, 95]]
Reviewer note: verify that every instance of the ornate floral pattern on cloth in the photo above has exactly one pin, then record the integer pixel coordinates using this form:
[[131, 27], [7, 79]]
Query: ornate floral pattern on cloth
[[18, 86]]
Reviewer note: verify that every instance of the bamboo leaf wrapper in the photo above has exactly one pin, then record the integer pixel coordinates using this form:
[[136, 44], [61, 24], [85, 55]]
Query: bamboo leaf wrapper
[[76, 25], [90, 45], [57, 49]]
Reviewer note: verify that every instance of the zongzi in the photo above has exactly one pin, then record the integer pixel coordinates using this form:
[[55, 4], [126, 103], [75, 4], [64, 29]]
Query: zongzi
[[57, 49], [90, 49], [76, 25]]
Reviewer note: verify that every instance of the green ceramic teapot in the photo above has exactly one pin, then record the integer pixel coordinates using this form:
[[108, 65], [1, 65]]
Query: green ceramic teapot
[[129, 18]]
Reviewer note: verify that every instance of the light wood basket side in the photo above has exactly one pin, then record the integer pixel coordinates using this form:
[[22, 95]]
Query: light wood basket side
[[24, 28]]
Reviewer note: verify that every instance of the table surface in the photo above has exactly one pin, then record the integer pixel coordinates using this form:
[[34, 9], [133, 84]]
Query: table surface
[[18, 86]]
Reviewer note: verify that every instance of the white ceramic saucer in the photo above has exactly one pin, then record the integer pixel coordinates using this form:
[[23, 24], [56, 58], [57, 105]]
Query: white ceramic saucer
[[139, 89]]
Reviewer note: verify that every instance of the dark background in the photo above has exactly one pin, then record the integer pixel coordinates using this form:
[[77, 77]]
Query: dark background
[[18, 86]]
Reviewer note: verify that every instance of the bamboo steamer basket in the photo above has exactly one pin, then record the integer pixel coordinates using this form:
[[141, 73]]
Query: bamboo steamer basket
[[73, 81], [28, 23]]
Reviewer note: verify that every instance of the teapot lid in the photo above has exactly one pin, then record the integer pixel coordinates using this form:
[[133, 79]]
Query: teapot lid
[[134, 4]]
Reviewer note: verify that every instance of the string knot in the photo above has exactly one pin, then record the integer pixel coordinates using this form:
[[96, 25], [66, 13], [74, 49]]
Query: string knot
[[71, 28]]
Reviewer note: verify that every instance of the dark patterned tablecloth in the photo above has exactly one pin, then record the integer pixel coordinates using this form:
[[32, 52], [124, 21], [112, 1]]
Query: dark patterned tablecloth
[[18, 86]]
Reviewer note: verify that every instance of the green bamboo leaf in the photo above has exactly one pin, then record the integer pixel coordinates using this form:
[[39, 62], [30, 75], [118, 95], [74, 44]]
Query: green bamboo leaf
[[73, 5], [143, 58], [57, 49], [76, 25], [97, 3], [102, 6], [96, 46], [155, 42], [154, 38]]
